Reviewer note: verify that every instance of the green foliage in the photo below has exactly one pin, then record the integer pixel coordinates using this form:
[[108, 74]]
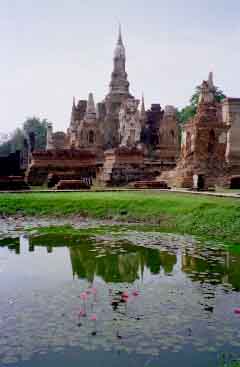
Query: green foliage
[[39, 128], [219, 95], [32, 125], [186, 114], [189, 111], [209, 217], [5, 148], [14, 143], [18, 140], [229, 361]]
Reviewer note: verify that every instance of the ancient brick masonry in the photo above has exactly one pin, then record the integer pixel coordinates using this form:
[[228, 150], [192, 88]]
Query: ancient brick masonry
[[151, 125], [168, 145], [203, 154], [202, 162], [82, 163], [231, 117], [112, 140], [72, 185], [123, 165]]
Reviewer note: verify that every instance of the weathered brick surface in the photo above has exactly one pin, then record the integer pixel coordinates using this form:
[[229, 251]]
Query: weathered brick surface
[[122, 165], [203, 150], [83, 163], [73, 185], [149, 185]]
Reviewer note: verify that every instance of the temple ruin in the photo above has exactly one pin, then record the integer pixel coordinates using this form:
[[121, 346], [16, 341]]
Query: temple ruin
[[117, 141], [114, 142], [210, 154]]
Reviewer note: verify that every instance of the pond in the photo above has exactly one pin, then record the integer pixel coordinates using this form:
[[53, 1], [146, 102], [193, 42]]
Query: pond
[[121, 298]]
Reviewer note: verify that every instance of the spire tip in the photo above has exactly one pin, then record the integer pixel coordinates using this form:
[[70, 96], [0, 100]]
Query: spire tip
[[120, 34]]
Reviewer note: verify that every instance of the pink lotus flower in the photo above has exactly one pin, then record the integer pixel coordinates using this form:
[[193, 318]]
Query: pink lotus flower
[[125, 297], [237, 311], [84, 296], [135, 293], [93, 317], [82, 313]]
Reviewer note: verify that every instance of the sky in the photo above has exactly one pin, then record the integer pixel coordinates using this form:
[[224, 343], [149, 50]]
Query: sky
[[52, 50]]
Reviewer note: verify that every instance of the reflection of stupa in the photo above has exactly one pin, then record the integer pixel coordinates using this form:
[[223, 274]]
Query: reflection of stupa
[[111, 268], [118, 267]]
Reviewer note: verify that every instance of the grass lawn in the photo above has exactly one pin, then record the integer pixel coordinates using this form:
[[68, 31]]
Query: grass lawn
[[208, 217]]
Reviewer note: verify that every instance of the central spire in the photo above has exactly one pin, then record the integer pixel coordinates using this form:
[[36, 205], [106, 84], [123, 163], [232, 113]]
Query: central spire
[[119, 49], [119, 83], [120, 42]]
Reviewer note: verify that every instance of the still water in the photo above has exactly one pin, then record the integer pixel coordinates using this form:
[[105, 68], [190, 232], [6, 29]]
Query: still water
[[109, 302]]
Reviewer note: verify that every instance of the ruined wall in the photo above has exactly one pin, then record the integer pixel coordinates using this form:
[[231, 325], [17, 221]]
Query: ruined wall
[[202, 162], [231, 117], [76, 162], [203, 149], [60, 140], [169, 147], [122, 165], [89, 136], [150, 132]]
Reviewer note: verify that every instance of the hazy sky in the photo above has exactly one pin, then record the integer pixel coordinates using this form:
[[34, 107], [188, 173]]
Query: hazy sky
[[54, 49]]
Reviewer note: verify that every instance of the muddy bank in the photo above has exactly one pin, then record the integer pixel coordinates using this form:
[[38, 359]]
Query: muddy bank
[[19, 224], [104, 232]]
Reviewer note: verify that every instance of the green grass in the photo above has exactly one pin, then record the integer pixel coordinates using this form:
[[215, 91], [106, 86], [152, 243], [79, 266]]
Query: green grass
[[208, 217], [224, 363]]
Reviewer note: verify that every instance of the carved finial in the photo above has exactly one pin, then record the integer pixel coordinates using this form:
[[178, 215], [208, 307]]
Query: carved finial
[[143, 105], [206, 93], [210, 80], [120, 42], [91, 110], [91, 104], [74, 104]]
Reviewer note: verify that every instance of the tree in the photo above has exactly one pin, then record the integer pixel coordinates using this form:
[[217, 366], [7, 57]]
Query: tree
[[14, 143], [218, 93], [5, 148], [17, 140], [190, 110], [38, 127], [34, 128], [186, 113]]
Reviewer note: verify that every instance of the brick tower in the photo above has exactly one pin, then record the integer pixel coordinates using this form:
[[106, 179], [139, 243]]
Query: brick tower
[[202, 162]]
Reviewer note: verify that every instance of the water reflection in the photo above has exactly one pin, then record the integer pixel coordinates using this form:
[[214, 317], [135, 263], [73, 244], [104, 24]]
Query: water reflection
[[180, 296], [212, 266], [119, 262], [115, 266]]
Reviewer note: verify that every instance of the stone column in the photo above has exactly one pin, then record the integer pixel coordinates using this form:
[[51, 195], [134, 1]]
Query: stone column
[[49, 145]]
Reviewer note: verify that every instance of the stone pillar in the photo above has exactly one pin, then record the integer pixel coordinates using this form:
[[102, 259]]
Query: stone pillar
[[49, 145], [195, 182]]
